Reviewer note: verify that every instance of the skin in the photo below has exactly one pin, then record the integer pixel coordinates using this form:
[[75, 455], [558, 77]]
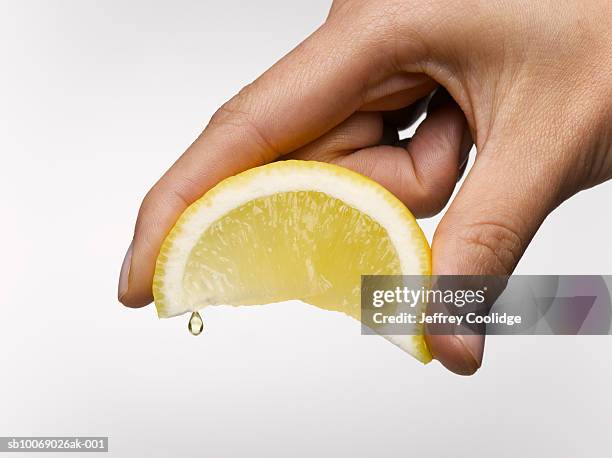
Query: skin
[[529, 83]]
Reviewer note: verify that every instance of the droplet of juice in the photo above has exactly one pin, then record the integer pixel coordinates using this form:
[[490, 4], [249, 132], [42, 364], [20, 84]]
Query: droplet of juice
[[195, 324]]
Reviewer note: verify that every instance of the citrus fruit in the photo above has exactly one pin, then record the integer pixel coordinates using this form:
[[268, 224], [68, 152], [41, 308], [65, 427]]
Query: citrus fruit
[[290, 230]]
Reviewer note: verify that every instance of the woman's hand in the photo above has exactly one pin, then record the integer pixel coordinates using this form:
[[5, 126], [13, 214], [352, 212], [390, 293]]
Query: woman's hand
[[529, 82]]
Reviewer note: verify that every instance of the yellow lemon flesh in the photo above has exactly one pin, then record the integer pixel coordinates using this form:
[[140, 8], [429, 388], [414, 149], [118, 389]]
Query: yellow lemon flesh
[[290, 230]]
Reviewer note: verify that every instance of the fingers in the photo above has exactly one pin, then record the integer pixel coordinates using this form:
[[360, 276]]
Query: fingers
[[502, 203], [360, 130], [303, 96], [390, 96], [405, 117], [422, 175]]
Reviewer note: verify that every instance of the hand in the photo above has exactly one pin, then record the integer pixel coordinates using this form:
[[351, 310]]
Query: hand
[[530, 82]]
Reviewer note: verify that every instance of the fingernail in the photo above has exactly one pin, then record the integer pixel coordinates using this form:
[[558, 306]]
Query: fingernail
[[125, 273], [474, 345]]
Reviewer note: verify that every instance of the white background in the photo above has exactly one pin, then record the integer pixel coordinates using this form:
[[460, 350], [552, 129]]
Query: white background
[[97, 99]]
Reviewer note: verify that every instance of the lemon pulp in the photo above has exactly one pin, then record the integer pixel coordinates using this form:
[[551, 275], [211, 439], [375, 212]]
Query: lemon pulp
[[293, 245]]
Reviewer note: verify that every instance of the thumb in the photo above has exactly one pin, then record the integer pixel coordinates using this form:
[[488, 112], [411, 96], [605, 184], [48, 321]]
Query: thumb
[[502, 203]]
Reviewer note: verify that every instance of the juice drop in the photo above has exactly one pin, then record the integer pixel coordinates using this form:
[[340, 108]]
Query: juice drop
[[195, 324]]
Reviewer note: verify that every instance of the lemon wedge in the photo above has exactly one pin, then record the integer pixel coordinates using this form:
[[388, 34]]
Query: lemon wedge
[[290, 230]]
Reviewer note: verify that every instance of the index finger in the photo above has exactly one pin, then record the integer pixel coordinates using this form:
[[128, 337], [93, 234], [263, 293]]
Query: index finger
[[312, 89]]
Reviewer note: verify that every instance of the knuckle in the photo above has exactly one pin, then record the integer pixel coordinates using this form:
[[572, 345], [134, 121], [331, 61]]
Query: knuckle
[[151, 207], [495, 247], [371, 22], [436, 199], [232, 111], [238, 116], [434, 194], [147, 208], [148, 204]]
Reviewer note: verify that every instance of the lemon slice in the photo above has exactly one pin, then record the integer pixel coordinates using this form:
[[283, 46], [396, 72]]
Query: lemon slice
[[290, 230]]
